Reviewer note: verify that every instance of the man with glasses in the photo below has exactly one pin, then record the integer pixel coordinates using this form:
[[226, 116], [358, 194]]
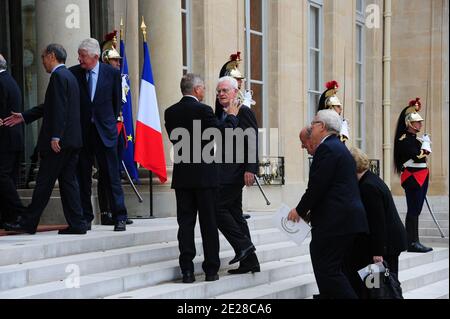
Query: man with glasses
[[59, 144], [336, 211], [234, 176]]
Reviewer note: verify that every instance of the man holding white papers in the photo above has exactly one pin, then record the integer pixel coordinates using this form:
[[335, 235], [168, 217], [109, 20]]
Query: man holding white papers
[[336, 211]]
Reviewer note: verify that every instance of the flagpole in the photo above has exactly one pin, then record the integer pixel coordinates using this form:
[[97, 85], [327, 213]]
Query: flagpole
[[144, 35]]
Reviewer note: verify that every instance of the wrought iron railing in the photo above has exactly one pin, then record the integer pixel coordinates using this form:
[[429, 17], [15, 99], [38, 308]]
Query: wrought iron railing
[[271, 170]]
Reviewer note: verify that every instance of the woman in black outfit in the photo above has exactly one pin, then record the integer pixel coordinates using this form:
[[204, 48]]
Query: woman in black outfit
[[387, 237]]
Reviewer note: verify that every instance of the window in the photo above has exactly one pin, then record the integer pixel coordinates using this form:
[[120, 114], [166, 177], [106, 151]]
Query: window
[[186, 33], [360, 80], [315, 21], [255, 60]]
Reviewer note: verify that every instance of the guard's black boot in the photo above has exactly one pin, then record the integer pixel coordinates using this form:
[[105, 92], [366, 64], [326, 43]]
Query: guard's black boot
[[414, 245]]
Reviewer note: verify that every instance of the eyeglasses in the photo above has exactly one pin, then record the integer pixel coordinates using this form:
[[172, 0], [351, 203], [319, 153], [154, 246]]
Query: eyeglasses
[[223, 91]]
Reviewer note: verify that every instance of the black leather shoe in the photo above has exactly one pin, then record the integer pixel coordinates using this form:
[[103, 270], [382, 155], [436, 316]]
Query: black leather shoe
[[417, 247], [246, 216], [17, 227], [72, 231], [242, 255], [245, 269], [106, 219], [188, 277], [129, 222], [212, 277], [120, 226]]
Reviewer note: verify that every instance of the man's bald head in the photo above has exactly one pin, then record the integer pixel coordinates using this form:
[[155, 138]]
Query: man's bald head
[[305, 138]]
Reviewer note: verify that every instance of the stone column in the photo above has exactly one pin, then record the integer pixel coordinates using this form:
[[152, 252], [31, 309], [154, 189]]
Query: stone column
[[164, 36], [66, 22]]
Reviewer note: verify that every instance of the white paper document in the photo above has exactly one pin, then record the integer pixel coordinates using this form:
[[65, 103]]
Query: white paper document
[[371, 269], [297, 232]]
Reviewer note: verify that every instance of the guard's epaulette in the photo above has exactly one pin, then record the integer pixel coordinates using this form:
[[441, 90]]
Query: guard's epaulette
[[402, 138]]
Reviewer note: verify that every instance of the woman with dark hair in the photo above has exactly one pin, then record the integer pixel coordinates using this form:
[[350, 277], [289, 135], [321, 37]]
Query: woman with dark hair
[[410, 158]]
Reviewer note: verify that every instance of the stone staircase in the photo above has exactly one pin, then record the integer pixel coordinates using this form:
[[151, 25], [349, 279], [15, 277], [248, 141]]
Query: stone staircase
[[143, 263]]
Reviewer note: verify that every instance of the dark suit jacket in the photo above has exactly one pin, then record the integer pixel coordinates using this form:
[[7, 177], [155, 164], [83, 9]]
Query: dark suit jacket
[[60, 112], [333, 194], [181, 115], [11, 138], [387, 233], [233, 173], [105, 108]]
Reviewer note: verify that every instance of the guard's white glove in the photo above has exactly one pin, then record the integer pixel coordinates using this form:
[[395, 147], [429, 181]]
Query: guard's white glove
[[125, 89], [345, 131], [248, 99], [426, 143]]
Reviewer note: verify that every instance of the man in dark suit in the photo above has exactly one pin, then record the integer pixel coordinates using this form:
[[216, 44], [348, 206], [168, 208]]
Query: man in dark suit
[[195, 178], [100, 100], [11, 141], [59, 144], [235, 173], [336, 211]]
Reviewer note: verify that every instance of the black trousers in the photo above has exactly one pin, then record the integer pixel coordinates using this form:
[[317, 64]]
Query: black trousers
[[328, 257], [108, 162], [415, 197], [104, 194], [61, 167], [229, 218], [11, 205], [189, 202]]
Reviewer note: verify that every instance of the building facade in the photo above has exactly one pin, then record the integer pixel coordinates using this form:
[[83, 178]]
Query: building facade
[[382, 52]]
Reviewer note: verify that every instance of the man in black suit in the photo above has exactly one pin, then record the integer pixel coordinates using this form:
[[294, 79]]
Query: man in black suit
[[336, 211], [195, 178], [235, 173], [59, 144], [11, 141], [100, 100]]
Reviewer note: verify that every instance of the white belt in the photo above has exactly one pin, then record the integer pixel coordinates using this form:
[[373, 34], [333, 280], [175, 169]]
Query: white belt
[[411, 164]]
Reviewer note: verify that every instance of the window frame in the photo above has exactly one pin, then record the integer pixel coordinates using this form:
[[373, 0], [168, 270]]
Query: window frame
[[360, 101], [318, 4], [188, 28]]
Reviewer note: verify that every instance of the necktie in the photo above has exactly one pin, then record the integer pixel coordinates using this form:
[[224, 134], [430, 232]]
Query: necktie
[[90, 84]]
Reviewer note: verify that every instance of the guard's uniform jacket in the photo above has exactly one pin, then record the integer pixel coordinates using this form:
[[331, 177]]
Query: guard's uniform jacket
[[414, 160]]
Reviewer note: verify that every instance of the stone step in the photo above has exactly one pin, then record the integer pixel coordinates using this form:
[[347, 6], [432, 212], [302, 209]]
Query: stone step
[[430, 224], [132, 278], [26, 248], [270, 271], [425, 215], [304, 286], [437, 290], [283, 270], [434, 240], [433, 232], [299, 287], [423, 275], [42, 271]]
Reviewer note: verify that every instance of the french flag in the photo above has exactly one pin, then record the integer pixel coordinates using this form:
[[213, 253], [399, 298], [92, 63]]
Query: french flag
[[149, 147]]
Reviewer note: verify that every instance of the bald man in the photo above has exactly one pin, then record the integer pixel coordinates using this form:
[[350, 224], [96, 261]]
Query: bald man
[[305, 138]]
